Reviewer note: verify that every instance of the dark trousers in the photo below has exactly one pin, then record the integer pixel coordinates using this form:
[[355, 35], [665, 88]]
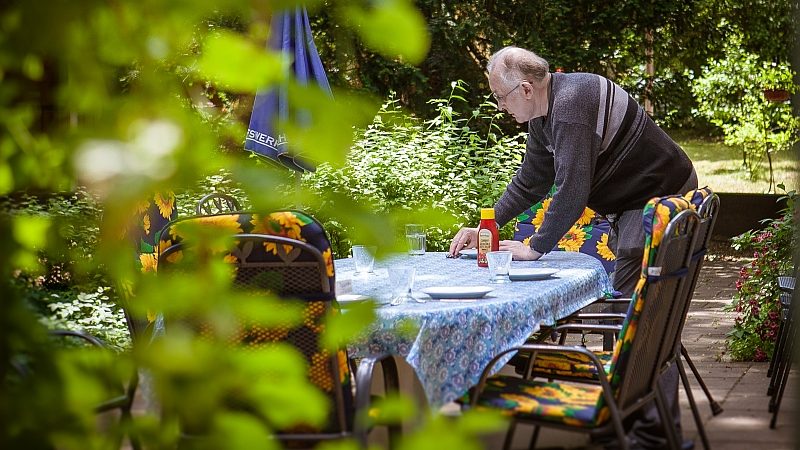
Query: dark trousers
[[627, 238]]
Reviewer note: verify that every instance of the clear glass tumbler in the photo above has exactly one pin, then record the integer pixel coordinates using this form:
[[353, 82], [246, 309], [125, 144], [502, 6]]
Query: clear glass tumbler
[[499, 263], [402, 280], [363, 259], [415, 236]]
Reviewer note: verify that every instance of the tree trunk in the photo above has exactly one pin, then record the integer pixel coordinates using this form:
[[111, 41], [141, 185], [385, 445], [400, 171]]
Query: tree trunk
[[650, 72]]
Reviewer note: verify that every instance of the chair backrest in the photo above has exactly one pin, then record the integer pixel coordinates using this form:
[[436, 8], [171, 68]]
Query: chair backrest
[[706, 203], [670, 227], [288, 254], [216, 203], [589, 235]]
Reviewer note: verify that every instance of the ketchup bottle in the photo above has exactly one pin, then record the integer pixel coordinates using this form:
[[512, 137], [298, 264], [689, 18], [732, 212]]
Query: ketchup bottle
[[488, 237]]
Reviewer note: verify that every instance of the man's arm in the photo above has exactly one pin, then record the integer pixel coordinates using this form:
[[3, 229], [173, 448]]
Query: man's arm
[[531, 183], [575, 158]]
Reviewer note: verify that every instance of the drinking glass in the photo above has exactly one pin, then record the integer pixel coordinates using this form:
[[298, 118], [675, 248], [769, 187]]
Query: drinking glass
[[415, 236], [402, 280], [363, 259], [499, 263]]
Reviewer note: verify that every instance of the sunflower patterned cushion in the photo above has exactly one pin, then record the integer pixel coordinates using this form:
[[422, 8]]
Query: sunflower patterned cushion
[[290, 224], [144, 230], [587, 407], [569, 365], [697, 196], [589, 235], [570, 404]]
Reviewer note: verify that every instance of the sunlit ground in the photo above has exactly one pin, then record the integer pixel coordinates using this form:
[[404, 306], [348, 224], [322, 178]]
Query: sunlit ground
[[720, 167]]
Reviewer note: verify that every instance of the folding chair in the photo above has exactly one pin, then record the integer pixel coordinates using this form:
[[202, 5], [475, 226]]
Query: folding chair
[[644, 350], [288, 254]]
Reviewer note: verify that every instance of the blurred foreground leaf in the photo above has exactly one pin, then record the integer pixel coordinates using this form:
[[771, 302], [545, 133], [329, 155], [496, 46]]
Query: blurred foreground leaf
[[239, 65]]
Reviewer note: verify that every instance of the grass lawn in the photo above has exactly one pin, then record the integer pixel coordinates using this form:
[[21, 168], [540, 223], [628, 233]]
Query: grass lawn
[[720, 166]]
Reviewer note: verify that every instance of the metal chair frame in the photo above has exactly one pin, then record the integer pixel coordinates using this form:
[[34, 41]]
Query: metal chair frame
[[782, 357], [122, 402], [640, 381], [708, 215], [216, 203]]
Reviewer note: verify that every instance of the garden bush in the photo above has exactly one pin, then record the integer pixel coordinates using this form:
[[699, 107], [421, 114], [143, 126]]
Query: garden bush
[[730, 94], [453, 163], [756, 301]]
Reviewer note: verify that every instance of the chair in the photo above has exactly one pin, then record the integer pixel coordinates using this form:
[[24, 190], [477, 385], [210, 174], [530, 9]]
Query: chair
[[786, 287], [123, 402], [707, 205], [644, 350], [782, 359], [288, 254], [216, 203]]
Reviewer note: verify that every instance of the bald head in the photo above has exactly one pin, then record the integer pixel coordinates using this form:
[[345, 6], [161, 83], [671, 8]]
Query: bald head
[[514, 64]]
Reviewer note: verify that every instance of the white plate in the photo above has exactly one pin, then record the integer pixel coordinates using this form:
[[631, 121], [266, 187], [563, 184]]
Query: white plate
[[530, 274], [344, 299], [469, 253], [457, 291]]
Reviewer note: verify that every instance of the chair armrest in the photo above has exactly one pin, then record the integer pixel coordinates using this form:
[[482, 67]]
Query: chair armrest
[[124, 401], [598, 316], [589, 327], [612, 301], [79, 334]]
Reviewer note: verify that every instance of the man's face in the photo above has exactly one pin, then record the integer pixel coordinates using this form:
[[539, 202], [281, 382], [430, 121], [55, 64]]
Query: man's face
[[510, 98]]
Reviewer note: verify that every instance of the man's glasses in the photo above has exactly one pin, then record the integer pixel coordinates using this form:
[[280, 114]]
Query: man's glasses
[[500, 98]]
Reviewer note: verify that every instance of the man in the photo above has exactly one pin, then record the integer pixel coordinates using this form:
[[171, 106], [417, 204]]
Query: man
[[599, 147]]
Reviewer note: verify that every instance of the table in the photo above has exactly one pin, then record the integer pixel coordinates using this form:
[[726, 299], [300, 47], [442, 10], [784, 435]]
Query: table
[[456, 339]]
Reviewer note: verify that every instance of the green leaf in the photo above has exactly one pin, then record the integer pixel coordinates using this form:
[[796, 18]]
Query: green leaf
[[393, 408], [237, 64], [340, 329], [392, 27], [31, 231], [482, 421], [6, 179], [241, 431]]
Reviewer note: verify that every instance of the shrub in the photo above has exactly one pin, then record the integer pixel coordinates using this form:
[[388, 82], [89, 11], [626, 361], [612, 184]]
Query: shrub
[[730, 94], [756, 301], [451, 163]]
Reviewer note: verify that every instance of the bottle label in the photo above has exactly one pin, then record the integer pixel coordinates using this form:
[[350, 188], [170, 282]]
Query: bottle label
[[484, 244]]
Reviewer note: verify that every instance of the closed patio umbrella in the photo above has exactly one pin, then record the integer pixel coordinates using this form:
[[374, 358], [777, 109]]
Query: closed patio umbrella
[[291, 34]]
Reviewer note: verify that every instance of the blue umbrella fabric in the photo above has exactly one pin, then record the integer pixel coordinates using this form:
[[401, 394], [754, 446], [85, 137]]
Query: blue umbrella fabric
[[291, 34]]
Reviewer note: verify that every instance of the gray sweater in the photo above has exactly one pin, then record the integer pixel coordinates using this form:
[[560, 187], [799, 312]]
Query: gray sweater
[[600, 149]]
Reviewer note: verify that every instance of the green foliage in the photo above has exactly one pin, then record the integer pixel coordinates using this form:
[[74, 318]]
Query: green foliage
[[730, 95], [446, 164], [756, 301], [608, 38], [92, 312], [129, 98]]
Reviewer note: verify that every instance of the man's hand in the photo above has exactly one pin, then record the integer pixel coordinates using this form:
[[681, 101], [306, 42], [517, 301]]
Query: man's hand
[[520, 251], [465, 238]]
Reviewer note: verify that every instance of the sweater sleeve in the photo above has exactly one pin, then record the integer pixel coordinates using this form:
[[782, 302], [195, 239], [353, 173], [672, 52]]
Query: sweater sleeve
[[575, 148], [531, 183]]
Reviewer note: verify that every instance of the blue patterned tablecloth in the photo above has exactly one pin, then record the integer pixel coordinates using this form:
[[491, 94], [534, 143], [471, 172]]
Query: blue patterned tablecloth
[[456, 339]]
